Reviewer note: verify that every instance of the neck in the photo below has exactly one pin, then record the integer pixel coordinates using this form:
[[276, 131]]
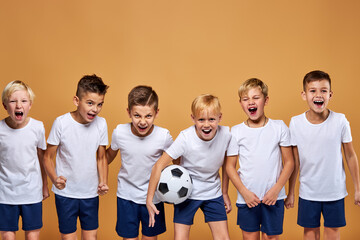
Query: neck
[[257, 123], [316, 118]]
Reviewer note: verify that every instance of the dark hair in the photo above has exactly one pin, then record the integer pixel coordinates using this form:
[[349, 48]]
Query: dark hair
[[316, 75], [91, 83], [144, 96]]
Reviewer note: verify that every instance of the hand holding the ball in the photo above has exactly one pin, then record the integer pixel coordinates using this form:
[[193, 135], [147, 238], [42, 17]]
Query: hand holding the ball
[[60, 182], [152, 211]]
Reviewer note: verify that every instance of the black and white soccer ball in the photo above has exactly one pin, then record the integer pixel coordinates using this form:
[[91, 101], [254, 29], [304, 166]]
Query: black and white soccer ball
[[175, 185]]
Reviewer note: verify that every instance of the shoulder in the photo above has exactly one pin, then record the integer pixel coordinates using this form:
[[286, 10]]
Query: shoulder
[[337, 116], [161, 130], [36, 123], [237, 127], [277, 122]]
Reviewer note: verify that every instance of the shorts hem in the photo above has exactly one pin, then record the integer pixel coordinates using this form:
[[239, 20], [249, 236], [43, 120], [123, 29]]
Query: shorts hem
[[273, 233], [335, 225], [153, 235], [32, 228], [308, 226], [217, 220], [249, 230], [9, 229], [189, 224], [125, 235]]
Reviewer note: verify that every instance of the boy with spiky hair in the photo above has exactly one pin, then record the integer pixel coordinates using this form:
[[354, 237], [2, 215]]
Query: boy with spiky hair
[[318, 136], [79, 139], [141, 143], [202, 148], [266, 163], [23, 180]]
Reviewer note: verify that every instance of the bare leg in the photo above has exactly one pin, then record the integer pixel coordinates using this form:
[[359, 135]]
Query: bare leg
[[131, 238], [32, 235], [331, 233], [69, 236], [148, 238], [311, 233], [251, 235], [270, 237], [219, 230], [181, 231], [7, 235], [89, 235]]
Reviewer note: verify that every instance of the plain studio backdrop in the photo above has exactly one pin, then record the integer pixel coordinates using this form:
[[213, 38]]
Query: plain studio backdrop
[[182, 49]]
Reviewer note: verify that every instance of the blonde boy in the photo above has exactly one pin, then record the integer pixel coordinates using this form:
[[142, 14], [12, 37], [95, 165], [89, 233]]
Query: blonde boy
[[23, 182], [260, 179], [141, 144], [317, 136], [79, 139], [202, 148]]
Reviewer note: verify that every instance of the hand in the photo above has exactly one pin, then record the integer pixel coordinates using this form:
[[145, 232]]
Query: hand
[[357, 198], [270, 197], [60, 182], [46, 192], [102, 189], [227, 203], [251, 199], [152, 211], [289, 201]]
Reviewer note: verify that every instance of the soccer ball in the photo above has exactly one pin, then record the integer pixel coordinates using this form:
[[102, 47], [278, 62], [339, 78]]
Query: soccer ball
[[175, 185]]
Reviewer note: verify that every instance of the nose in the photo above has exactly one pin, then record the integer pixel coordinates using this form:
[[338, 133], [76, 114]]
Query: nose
[[206, 123], [142, 121], [18, 104]]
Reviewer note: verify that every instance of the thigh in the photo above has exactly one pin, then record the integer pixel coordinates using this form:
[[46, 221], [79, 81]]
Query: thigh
[[31, 216], [159, 227], [68, 211], [272, 218], [334, 214], [219, 230], [89, 213], [181, 231], [184, 212], [9, 220], [249, 219], [128, 218], [309, 213], [214, 210]]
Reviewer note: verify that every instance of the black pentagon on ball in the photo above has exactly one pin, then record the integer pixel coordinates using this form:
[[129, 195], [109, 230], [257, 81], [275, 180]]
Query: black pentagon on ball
[[183, 192], [176, 172], [163, 188]]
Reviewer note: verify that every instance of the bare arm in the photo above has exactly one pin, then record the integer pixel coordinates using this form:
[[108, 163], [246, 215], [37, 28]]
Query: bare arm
[[353, 165], [40, 154], [110, 154], [289, 202], [225, 187], [102, 166], [271, 196], [49, 156], [250, 198], [164, 160]]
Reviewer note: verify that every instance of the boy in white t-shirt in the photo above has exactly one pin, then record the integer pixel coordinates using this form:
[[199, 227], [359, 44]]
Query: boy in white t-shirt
[[79, 139], [317, 136], [141, 144], [261, 143], [23, 181], [202, 148]]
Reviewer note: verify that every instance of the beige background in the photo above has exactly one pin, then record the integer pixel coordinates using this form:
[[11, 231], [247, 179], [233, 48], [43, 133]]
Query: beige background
[[182, 49]]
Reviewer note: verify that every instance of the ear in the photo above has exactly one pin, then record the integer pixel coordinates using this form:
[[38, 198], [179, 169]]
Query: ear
[[331, 94], [4, 106], [193, 118], [303, 95], [266, 100], [220, 116], [128, 111], [76, 101], [157, 112]]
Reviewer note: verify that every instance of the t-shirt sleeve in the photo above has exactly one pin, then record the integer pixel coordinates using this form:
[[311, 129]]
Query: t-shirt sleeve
[[41, 139], [292, 133], [346, 131], [168, 140], [55, 133], [285, 140], [177, 149], [233, 148], [114, 140], [104, 141]]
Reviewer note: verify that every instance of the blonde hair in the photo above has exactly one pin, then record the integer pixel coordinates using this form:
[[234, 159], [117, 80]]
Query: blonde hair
[[14, 86], [205, 102], [253, 83]]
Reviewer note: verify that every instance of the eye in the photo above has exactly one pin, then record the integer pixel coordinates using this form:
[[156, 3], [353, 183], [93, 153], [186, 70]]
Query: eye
[[136, 115], [212, 119], [90, 103], [100, 104], [148, 116], [200, 119], [312, 91]]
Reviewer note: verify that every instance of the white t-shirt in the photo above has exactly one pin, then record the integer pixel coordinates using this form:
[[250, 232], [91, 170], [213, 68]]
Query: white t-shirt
[[20, 174], [322, 175], [260, 156], [202, 159], [76, 154], [138, 156]]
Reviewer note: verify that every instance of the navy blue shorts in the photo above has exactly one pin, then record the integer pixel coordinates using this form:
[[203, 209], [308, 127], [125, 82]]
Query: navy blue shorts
[[69, 209], [264, 218], [129, 216], [309, 213], [31, 215], [213, 209]]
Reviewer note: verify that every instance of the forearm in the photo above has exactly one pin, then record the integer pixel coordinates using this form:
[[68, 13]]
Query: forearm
[[353, 166], [225, 179], [288, 168], [233, 175]]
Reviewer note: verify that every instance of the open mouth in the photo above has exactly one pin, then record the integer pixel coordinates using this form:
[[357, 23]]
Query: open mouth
[[19, 114], [319, 103], [252, 110], [206, 131], [91, 116], [142, 128]]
